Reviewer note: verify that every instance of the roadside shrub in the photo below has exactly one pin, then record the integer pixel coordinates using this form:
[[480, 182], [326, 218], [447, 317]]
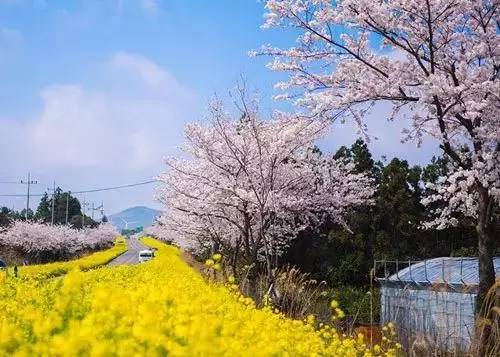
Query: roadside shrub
[[294, 293], [486, 340], [355, 301]]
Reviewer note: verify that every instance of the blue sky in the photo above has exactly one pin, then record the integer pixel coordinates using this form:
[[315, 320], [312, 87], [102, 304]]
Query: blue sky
[[94, 93]]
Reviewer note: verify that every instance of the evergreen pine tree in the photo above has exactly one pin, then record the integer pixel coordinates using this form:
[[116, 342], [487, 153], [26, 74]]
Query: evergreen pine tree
[[43, 212]]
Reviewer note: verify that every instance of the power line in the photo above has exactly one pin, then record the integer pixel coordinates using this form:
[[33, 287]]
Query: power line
[[86, 191], [117, 187]]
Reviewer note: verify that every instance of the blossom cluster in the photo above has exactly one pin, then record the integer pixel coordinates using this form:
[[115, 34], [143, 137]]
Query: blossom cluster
[[161, 307], [156, 230], [39, 242], [459, 190], [250, 185]]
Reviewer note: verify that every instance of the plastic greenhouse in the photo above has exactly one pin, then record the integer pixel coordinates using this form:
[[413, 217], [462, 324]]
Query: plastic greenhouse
[[435, 298]]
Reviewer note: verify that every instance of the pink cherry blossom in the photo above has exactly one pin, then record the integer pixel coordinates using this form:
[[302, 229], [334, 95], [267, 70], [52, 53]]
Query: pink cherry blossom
[[249, 185], [44, 242]]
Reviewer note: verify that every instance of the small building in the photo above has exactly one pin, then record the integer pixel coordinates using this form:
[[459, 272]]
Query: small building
[[434, 298]]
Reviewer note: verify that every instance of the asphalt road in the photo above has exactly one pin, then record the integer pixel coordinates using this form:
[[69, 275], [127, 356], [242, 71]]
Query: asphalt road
[[131, 256]]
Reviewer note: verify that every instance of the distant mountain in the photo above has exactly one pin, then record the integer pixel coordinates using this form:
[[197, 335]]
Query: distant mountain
[[135, 216]]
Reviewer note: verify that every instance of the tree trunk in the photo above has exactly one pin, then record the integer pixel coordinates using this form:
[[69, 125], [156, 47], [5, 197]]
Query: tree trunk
[[486, 238], [486, 267], [485, 234]]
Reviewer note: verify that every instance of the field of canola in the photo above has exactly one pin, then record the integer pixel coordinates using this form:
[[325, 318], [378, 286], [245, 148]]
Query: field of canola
[[44, 271], [158, 308]]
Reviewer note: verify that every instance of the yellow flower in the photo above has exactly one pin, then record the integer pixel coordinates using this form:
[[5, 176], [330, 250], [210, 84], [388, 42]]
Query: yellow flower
[[310, 319], [334, 304], [339, 313], [217, 257], [209, 263], [161, 308]]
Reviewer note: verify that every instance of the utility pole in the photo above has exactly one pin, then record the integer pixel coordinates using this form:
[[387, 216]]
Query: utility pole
[[67, 205], [96, 209], [83, 212], [29, 182]]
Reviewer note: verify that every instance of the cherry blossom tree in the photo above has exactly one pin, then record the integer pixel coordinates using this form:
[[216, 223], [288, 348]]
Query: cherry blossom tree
[[99, 237], [436, 62], [158, 231], [39, 242], [250, 185]]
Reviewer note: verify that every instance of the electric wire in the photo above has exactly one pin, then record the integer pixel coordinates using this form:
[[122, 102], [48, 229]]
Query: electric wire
[[86, 191]]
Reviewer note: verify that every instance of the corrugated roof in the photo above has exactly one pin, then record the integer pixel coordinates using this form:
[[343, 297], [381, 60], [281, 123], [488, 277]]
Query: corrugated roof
[[456, 271]]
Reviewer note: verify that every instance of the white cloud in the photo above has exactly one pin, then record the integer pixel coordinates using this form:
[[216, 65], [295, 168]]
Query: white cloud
[[118, 130], [97, 127], [147, 70]]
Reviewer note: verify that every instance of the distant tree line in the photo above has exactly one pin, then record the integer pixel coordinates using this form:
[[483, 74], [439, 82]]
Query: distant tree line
[[67, 209], [132, 231]]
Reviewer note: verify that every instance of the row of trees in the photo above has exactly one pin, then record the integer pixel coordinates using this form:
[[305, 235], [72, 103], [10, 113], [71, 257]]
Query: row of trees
[[37, 242], [7, 216], [67, 210], [261, 192]]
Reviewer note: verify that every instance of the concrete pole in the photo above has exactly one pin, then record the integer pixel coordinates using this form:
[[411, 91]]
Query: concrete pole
[[28, 198], [28, 183], [67, 205], [83, 213]]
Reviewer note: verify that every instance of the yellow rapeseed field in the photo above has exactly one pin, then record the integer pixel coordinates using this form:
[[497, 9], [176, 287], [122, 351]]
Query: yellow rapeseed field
[[158, 308], [92, 261]]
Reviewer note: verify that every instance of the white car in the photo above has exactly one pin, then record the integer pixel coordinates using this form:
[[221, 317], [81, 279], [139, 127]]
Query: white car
[[145, 255]]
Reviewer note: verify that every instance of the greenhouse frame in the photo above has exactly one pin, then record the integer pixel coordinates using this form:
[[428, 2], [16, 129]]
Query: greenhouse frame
[[434, 299]]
